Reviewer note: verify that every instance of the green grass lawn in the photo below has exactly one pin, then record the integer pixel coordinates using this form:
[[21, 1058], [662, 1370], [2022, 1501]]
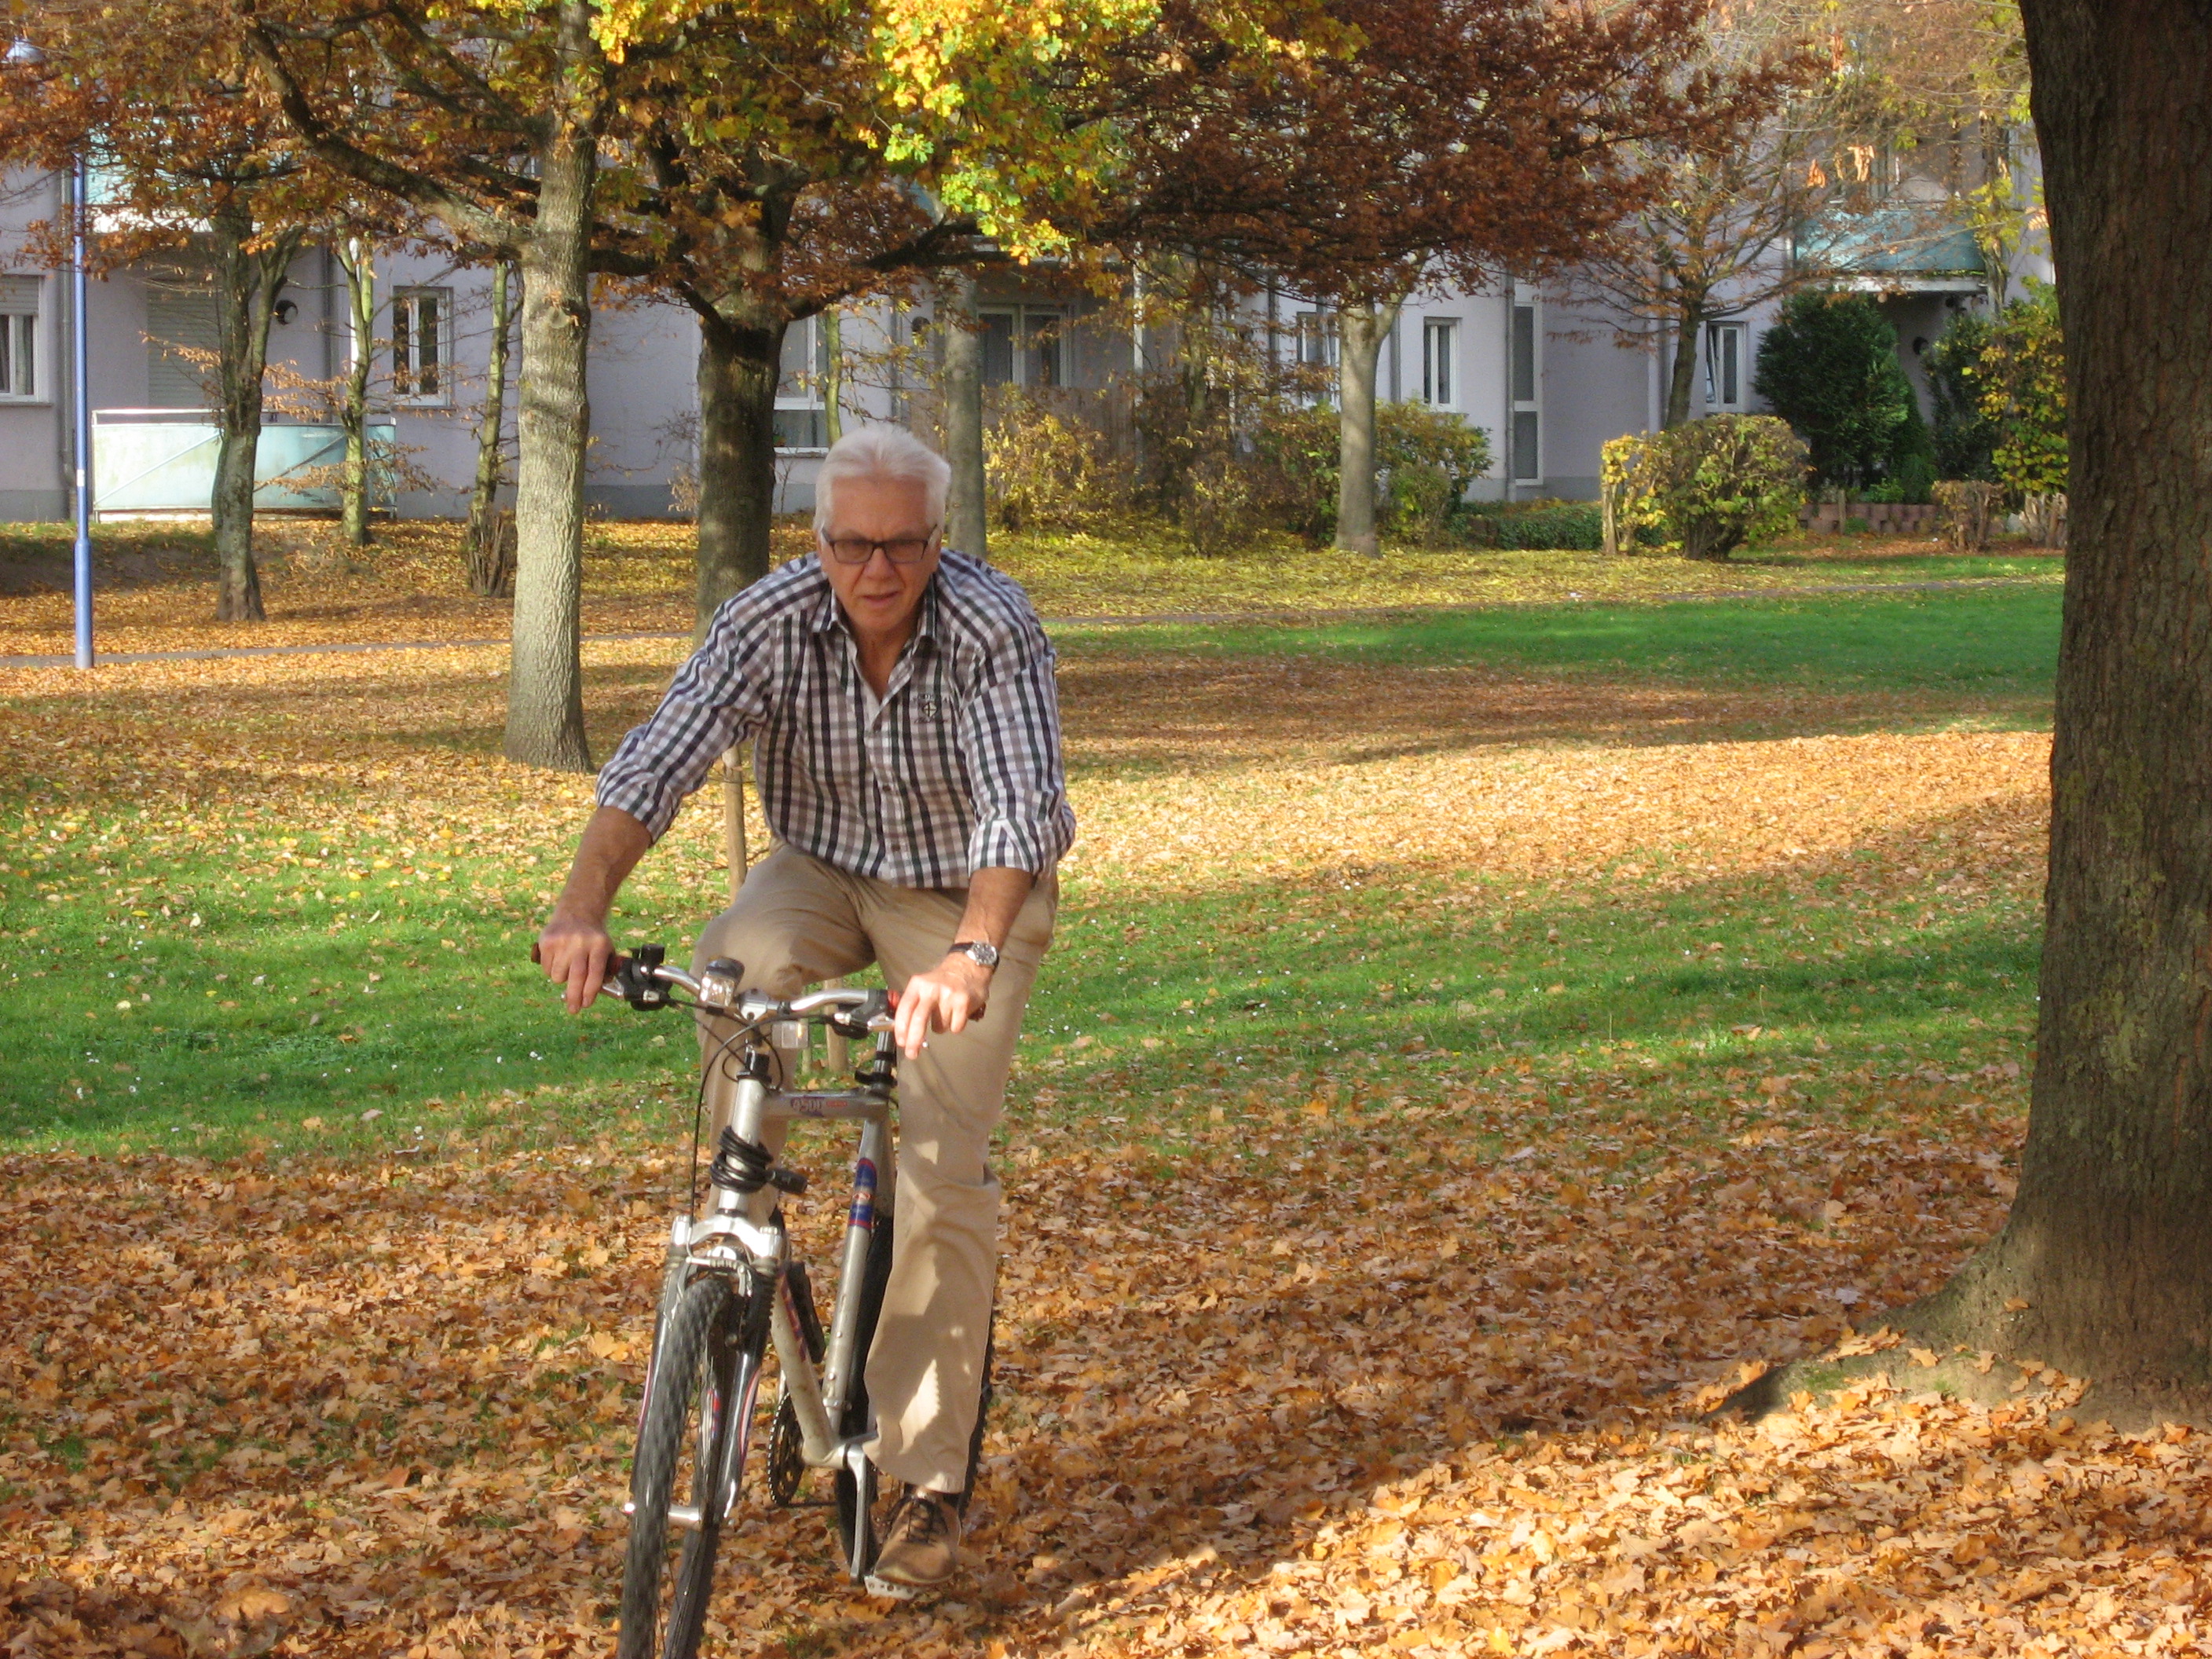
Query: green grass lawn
[[2001, 642], [342, 982], [279, 1012]]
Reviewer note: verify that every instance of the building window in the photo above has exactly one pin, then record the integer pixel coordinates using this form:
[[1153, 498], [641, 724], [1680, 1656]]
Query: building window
[[182, 343], [19, 337], [1041, 347], [421, 345], [1021, 346], [999, 359], [802, 416], [1439, 342], [1724, 360], [1525, 377], [1318, 339]]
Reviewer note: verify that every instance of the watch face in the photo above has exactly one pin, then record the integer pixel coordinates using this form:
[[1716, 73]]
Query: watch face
[[982, 955]]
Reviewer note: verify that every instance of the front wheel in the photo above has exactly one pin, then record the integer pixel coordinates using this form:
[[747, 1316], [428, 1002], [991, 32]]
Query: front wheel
[[690, 1451]]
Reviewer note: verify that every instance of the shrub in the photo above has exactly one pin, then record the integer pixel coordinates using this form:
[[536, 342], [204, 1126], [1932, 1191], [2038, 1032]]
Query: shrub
[[2023, 377], [1294, 465], [1963, 437], [1047, 467], [1575, 526], [1709, 486], [1829, 367], [1427, 458], [1970, 506]]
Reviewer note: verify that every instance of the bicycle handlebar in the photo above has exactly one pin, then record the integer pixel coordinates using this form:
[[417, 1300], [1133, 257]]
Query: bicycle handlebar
[[641, 981]]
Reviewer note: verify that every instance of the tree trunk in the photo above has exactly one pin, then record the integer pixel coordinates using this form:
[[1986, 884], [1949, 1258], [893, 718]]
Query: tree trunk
[[487, 551], [966, 525], [546, 689], [354, 259], [740, 355], [1361, 329], [833, 375], [2104, 1267], [1682, 372], [249, 280]]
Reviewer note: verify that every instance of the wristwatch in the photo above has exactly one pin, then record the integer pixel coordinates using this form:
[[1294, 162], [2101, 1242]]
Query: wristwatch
[[982, 955]]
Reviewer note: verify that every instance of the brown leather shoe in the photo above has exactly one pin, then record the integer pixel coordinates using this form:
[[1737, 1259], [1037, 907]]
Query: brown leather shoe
[[921, 1545]]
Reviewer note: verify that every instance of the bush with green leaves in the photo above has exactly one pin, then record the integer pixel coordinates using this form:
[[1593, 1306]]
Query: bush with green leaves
[[1708, 486], [2023, 379], [1294, 461], [1829, 367], [1964, 437], [1546, 526], [1428, 458]]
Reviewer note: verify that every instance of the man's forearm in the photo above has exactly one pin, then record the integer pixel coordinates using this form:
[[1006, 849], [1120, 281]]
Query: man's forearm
[[613, 843], [996, 897]]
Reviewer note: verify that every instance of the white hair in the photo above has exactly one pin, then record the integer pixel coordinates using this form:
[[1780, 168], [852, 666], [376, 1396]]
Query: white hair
[[889, 452]]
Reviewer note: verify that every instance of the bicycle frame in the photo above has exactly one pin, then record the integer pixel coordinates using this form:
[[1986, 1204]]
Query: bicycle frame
[[744, 1233]]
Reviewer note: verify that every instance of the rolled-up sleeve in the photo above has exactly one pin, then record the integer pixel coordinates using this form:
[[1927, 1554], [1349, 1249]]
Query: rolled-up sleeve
[[1011, 737], [718, 699]]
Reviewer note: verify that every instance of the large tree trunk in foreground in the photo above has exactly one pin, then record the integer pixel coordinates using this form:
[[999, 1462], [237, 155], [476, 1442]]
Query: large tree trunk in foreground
[[2104, 1268], [1361, 330], [739, 358], [545, 691], [967, 526]]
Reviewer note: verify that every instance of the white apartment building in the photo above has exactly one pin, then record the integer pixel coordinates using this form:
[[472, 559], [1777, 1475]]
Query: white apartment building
[[1549, 377]]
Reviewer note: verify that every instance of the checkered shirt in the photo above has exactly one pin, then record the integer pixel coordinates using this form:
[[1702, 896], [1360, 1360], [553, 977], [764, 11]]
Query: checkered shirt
[[956, 769]]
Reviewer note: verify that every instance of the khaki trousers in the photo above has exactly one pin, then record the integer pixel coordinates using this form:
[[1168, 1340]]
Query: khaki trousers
[[797, 921]]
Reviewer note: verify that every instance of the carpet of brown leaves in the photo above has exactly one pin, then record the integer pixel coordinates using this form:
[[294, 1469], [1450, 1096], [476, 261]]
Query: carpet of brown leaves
[[1433, 1401], [1351, 1375]]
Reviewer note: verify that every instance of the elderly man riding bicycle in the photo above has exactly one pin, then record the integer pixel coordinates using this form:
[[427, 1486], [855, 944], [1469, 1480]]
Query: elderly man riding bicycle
[[899, 697]]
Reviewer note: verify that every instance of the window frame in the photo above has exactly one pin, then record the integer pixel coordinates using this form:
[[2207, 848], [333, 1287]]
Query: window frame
[[1526, 412], [1317, 338], [1738, 334], [805, 395], [1440, 362], [20, 345], [405, 375]]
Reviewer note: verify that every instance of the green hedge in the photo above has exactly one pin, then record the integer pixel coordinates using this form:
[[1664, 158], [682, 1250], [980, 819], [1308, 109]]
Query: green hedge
[[1577, 526]]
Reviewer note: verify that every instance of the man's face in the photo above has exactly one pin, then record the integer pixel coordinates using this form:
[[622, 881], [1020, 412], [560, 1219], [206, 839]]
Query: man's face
[[880, 596]]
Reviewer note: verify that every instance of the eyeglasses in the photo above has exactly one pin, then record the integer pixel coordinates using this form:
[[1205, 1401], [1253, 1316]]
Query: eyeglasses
[[858, 550]]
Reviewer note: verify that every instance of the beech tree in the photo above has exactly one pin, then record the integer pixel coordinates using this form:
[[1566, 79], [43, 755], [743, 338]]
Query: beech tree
[[192, 163], [2104, 1266], [1722, 203], [487, 119], [811, 155], [1418, 139]]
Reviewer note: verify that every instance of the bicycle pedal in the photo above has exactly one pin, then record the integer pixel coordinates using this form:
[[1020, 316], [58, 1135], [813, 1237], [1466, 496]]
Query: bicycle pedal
[[883, 1587]]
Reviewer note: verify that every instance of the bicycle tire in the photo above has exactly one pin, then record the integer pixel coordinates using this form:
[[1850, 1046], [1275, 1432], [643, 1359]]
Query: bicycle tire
[[875, 1276], [696, 1422]]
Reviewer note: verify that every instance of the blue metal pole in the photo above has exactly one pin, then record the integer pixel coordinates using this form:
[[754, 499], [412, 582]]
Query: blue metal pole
[[78, 210]]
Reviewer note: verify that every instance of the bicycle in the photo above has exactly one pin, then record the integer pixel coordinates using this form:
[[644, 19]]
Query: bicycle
[[732, 1289]]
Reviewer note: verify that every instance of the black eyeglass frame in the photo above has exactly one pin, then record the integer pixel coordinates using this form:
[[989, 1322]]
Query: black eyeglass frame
[[922, 548]]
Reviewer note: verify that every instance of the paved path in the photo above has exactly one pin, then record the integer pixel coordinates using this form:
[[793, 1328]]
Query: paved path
[[1210, 618]]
